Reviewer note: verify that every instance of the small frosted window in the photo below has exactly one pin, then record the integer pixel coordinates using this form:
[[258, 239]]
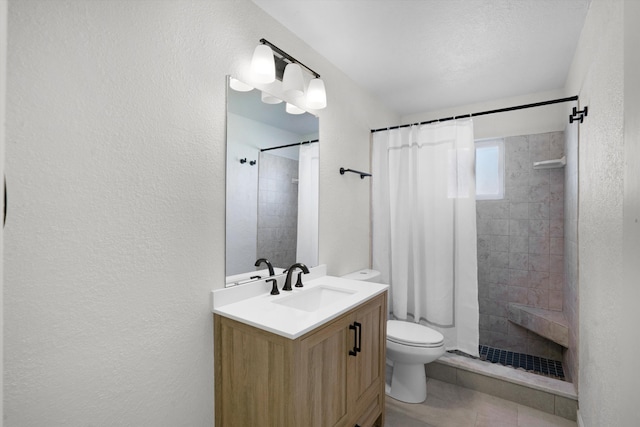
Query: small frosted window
[[490, 169]]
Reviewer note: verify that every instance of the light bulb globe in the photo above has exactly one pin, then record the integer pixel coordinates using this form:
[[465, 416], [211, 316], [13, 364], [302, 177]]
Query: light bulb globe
[[316, 94], [269, 99], [292, 81], [292, 109], [239, 86], [263, 66]]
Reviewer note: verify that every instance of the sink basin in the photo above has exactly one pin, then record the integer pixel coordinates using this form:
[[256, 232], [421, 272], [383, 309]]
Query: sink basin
[[315, 298], [293, 314]]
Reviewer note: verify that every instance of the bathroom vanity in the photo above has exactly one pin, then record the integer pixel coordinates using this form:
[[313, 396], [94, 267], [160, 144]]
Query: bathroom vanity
[[311, 357]]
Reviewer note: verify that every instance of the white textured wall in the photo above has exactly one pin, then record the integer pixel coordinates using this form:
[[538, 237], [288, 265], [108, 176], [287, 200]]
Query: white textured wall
[[597, 73], [344, 217], [3, 87], [630, 318], [115, 155], [570, 305]]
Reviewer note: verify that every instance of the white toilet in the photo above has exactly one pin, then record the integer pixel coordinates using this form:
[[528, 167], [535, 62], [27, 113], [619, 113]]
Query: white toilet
[[409, 347]]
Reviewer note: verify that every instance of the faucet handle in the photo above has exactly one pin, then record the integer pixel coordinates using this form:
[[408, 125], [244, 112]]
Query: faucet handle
[[274, 287], [299, 281]]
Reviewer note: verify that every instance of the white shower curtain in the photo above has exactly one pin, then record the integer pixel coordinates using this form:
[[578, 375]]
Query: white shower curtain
[[424, 227], [308, 189]]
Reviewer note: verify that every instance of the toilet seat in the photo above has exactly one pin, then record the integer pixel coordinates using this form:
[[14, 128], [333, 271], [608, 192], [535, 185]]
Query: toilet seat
[[413, 334]]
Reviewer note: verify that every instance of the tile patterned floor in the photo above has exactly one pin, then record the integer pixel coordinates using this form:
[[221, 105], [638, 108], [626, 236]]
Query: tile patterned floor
[[449, 405], [538, 365], [534, 364]]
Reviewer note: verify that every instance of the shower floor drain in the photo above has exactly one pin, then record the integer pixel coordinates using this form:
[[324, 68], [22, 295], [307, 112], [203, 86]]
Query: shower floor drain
[[538, 365]]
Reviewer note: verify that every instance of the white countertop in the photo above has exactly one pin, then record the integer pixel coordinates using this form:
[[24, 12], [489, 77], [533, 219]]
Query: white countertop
[[252, 303]]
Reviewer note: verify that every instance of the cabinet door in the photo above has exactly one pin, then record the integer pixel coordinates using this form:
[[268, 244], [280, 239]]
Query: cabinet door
[[252, 376], [367, 368], [322, 364]]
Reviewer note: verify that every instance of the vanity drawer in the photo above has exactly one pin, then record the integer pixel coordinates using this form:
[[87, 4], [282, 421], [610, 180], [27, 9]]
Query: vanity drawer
[[372, 414]]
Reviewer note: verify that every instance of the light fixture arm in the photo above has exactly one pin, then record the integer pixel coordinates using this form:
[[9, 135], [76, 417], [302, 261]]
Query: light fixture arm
[[284, 54]]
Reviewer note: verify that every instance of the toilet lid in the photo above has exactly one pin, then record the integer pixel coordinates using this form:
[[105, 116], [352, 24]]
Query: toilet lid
[[413, 334]]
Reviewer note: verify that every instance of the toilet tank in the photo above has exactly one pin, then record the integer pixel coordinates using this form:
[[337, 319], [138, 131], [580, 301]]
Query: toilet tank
[[366, 275]]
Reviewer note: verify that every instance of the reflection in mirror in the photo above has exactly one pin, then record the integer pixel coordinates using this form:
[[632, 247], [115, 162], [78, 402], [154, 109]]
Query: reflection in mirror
[[272, 186]]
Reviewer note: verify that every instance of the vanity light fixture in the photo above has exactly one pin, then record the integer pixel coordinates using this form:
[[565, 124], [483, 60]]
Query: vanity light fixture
[[269, 99], [263, 65], [316, 95], [270, 63], [292, 81], [292, 109], [239, 86]]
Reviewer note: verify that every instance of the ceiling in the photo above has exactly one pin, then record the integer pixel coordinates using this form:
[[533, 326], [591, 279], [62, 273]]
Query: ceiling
[[425, 55]]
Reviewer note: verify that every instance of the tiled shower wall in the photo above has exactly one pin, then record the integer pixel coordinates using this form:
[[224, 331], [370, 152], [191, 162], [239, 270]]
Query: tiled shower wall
[[521, 245], [277, 209]]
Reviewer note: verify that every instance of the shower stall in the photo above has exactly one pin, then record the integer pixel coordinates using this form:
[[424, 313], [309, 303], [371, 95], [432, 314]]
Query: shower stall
[[527, 272], [527, 257]]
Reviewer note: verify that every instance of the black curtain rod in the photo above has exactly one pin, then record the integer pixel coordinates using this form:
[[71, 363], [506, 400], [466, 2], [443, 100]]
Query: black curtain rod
[[482, 113], [289, 145]]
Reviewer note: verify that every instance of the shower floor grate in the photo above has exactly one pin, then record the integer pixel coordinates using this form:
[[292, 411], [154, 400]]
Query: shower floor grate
[[535, 364]]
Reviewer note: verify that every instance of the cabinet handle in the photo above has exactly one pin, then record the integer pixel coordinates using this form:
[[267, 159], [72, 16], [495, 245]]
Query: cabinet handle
[[359, 343], [353, 328], [357, 338]]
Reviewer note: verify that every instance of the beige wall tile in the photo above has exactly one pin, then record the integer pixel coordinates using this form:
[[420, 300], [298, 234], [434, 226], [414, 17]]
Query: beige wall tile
[[566, 408], [441, 372]]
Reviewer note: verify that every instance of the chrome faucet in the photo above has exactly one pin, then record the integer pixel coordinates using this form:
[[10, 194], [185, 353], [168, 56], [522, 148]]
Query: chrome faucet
[[287, 282], [266, 261]]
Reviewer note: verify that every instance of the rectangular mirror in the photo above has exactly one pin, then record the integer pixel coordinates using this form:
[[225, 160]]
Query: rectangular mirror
[[272, 184]]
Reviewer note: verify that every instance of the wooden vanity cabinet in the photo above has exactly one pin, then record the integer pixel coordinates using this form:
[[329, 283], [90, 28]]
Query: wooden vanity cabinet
[[331, 376]]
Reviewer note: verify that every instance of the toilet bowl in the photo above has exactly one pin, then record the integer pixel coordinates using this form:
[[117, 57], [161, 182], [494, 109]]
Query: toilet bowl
[[409, 347]]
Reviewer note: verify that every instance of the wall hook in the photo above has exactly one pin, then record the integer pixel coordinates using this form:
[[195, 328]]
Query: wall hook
[[252, 162], [578, 115], [243, 161]]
